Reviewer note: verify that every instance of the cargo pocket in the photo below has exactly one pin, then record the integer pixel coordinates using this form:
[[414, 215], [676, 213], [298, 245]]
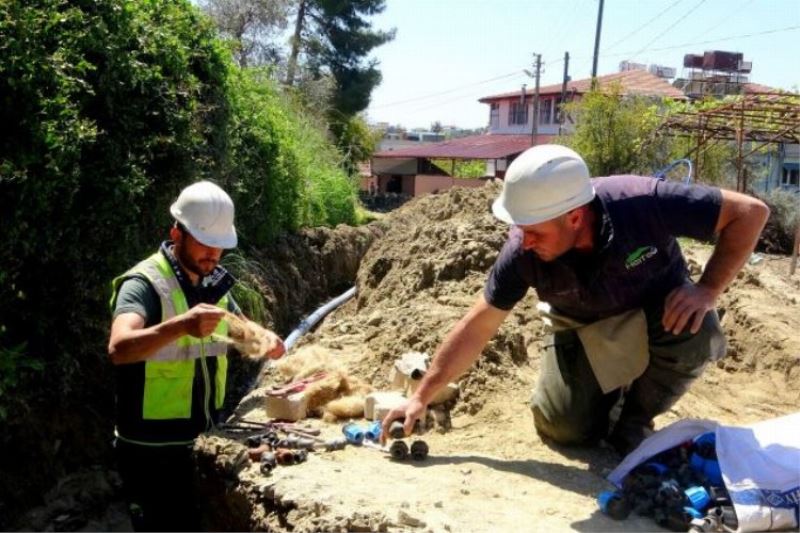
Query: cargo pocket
[[168, 390]]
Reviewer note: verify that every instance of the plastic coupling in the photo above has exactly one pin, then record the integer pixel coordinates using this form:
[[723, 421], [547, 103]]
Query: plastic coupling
[[419, 450], [396, 430], [614, 504], [373, 431], [399, 450], [353, 434], [698, 497]]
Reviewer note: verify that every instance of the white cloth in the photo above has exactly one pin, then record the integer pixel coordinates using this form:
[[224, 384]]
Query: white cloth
[[760, 467]]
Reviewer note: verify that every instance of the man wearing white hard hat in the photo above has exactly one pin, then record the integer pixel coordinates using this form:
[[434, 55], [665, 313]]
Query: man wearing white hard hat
[[627, 322], [170, 366]]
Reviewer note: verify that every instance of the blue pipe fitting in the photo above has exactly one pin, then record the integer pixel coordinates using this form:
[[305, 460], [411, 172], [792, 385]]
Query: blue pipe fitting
[[373, 431], [698, 497], [654, 468], [614, 504], [692, 512], [353, 434], [713, 472]]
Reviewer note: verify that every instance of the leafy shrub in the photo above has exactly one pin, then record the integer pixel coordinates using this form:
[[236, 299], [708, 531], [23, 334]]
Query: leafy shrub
[[778, 234], [109, 108], [284, 172]]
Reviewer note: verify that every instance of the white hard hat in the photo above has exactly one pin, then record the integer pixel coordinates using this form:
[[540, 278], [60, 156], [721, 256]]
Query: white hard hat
[[544, 182], [206, 211]]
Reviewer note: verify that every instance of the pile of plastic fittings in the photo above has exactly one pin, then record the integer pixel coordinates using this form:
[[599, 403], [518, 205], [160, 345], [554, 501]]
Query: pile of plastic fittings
[[279, 443], [680, 488], [371, 434]]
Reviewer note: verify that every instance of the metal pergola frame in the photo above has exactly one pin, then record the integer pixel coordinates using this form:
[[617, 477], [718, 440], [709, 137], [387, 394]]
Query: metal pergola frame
[[757, 118]]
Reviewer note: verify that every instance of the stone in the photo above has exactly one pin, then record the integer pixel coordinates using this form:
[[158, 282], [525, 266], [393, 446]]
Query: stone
[[292, 407], [377, 404]]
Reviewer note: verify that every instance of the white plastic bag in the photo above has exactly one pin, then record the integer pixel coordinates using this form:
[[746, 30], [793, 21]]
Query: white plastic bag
[[760, 467]]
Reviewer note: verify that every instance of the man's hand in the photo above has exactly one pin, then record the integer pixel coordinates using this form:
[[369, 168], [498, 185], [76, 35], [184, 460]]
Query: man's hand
[[411, 410], [275, 347], [687, 302], [201, 320]]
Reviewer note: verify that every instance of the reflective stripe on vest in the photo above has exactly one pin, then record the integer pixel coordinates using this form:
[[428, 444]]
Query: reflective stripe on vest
[[169, 373]]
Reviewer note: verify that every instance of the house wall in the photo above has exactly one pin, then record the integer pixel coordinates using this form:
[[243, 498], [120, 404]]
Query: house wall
[[547, 128]]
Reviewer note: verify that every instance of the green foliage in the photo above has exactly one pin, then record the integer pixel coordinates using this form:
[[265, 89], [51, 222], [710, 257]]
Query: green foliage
[[283, 171], [15, 365], [355, 139], [784, 218], [245, 292], [616, 134], [109, 107], [338, 39], [254, 27], [716, 163], [464, 168]]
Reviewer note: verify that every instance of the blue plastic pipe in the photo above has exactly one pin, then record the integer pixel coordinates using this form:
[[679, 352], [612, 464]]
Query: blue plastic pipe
[[311, 320]]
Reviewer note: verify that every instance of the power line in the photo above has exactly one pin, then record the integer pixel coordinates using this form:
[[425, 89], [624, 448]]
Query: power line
[[634, 32], [737, 11], [455, 89], [427, 106], [657, 37], [721, 39]]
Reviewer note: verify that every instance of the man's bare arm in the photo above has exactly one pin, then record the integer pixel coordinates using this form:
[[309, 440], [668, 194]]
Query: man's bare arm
[[740, 222], [459, 350], [131, 342]]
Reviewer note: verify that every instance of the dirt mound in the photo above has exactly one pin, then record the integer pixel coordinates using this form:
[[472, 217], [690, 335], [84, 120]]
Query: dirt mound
[[417, 280], [492, 472]]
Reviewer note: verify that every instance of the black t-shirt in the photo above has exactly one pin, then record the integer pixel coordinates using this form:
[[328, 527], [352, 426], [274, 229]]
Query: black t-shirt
[[636, 262]]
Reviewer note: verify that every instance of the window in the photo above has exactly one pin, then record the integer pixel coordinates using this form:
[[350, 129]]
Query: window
[[494, 115], [791, 175], [545, 108], [557, 118], [518, 114]]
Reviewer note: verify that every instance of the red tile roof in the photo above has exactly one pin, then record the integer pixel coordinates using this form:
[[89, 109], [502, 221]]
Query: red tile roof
[[475, 147], [757, 88], [638, 82]]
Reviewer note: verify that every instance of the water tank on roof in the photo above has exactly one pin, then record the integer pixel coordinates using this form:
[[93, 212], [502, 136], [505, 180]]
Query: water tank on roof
[[662, 71], [625, 66], [693, 61], [719, 60]]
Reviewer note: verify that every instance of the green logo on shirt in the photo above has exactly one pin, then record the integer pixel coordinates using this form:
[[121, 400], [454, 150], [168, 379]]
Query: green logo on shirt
[[639, 256]]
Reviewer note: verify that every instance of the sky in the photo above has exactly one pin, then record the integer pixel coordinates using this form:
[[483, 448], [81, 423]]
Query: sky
[[449, 53]]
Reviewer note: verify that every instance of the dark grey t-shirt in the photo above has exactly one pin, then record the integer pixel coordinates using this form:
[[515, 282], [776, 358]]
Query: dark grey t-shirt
[[136, 295], [637, 261]]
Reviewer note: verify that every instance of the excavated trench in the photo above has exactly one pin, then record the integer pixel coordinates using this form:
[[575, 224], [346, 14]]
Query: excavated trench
[[296, 274], [491, 471]]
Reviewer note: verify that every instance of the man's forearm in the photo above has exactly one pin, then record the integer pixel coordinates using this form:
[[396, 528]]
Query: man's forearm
[[139, 344], [736, 242]]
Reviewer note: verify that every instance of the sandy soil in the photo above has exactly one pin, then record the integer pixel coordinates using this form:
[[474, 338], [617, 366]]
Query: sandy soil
[[490, 471]]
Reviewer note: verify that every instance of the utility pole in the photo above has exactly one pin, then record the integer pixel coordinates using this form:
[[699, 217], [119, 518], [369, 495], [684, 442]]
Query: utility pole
[[597, 43], [537, 66], [563, 93]]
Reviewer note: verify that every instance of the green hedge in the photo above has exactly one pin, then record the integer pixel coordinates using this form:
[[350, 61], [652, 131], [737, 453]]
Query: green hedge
[[109, 108]]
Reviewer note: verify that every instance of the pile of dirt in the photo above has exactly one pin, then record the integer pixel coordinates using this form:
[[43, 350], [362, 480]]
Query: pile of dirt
[[417, 280], [491, 471]]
